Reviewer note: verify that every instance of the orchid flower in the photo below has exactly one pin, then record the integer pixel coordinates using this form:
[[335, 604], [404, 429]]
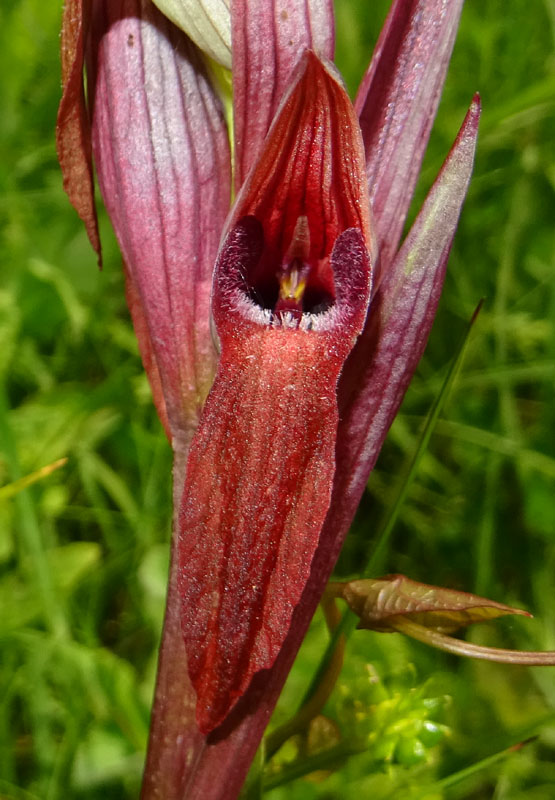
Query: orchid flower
[[280, 333]]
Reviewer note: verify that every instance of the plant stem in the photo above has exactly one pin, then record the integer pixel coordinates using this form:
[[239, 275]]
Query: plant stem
[[468, 772], [327, 678], [531, 658], [381, 540], [328, 759], [175, 743]]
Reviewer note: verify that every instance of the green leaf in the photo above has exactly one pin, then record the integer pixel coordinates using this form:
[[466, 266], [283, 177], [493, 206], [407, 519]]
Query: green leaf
[[15, 487]]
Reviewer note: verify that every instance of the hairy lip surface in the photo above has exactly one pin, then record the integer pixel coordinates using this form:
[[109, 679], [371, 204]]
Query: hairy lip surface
[[260, 472]]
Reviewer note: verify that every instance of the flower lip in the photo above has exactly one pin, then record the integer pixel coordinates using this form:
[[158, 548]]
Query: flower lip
[[287, 288], [299, 284], [293, 293]]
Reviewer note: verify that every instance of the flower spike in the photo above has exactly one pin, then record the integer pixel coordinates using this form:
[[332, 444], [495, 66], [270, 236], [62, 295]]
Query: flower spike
[[305, 389], [290, 295]]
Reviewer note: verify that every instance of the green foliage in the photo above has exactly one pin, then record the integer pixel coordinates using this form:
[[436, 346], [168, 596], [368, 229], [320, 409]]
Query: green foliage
[[83, 553]]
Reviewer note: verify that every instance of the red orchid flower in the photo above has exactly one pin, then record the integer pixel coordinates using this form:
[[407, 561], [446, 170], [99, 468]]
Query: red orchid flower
[[273, 453], [291, 290]]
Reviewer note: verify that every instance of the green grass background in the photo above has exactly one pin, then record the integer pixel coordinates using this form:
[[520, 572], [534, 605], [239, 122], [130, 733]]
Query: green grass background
[[83, 553]]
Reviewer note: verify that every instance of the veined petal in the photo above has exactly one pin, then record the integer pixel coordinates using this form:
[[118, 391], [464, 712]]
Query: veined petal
[[161, 152], [206, 22], [400, 320], [268, 39], [73, 137], [397, 103], [291, 287]]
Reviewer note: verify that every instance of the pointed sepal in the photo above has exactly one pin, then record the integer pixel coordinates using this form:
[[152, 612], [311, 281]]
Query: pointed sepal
[[402, 312], [397, 103]]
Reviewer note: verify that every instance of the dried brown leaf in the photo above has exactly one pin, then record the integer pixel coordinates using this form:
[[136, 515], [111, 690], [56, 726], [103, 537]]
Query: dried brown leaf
[[73, 136], [381, 602]]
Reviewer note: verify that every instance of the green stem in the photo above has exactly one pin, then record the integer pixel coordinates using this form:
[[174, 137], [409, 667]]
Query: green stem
[[433, 415], [541, 658], [311, 706], [328, 759], [468, 772]]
